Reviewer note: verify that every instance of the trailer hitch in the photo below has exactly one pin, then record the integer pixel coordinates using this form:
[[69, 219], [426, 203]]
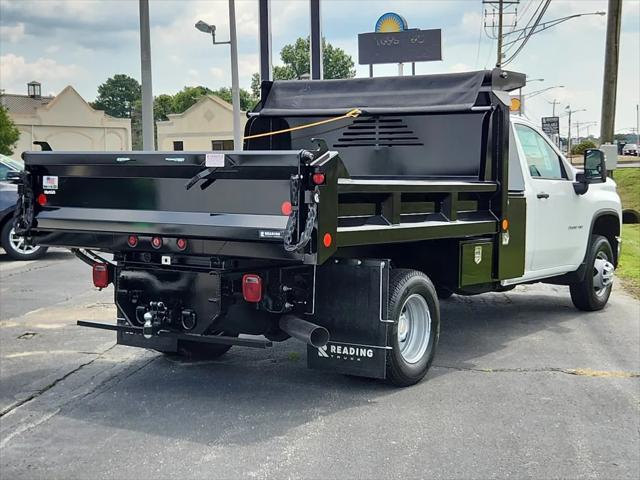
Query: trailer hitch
[[154, 319]]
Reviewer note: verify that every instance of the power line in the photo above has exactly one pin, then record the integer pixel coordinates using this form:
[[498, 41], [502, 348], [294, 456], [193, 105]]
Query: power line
[[533, 28]]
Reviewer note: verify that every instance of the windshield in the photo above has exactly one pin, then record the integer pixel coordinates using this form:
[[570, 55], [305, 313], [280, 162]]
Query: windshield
[[11, 163]]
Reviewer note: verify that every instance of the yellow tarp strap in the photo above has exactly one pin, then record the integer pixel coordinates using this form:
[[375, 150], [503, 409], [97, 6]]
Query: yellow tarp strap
[[350, 114]]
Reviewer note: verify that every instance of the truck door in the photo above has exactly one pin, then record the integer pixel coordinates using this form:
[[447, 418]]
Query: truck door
[[554, 212]]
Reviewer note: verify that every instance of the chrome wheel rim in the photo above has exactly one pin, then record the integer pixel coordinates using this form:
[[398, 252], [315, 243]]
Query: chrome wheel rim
[[602, 274], [20, 245], [414, 328]]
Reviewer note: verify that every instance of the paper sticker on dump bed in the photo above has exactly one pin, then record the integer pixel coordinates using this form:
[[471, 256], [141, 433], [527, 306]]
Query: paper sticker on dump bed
[[214, 160], [49, 183]]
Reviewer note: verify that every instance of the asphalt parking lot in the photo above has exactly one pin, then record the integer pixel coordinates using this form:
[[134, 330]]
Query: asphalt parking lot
[[523, 385]]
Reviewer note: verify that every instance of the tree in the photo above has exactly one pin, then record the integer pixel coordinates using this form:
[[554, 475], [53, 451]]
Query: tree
[[247, 100], [255, 85], [580, 148], [118, 95], [335, 61], [9, 133], [162, 106], [186, 97]]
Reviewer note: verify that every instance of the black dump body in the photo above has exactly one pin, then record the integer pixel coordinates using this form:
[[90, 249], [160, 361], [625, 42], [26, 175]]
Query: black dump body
[[426, 159], [317, 209]]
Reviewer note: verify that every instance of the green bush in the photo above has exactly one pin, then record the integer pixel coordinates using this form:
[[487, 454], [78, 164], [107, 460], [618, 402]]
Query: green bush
[[580, 148]]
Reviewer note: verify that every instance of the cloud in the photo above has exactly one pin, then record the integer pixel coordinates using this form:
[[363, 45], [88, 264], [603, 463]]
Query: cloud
[[16, 72], [12, 33]]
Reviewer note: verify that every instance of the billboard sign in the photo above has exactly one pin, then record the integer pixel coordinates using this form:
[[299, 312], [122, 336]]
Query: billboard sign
[[403, 46], [551, 125]]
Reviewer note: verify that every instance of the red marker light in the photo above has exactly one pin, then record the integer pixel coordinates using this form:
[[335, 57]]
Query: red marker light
[[326, 240], [318, 178], [42, 199], [286, 208], [252, 287], [132, 241], [101, 276], [156, 242], [181, 243]]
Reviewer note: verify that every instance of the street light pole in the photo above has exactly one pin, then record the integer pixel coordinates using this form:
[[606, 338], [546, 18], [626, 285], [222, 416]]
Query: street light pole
[[148, 142], [235, 83], [235, 89]]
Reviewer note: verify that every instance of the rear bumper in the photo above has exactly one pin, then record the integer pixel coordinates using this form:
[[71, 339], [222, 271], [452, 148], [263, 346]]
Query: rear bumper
[[165, 340]]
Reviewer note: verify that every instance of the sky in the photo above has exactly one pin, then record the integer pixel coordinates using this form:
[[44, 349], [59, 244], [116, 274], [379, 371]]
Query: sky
[[83, 42]]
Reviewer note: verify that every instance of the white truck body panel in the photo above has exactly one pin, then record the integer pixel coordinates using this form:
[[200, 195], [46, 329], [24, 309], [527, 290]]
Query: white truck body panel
[[559, 221]]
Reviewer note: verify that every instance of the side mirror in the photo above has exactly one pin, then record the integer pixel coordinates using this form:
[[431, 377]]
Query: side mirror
[[595, 171], [14, 176], [595, 167]]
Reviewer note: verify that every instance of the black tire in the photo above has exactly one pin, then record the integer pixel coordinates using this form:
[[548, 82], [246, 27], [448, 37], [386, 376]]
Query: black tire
[[13, 252], [404, 284], [584, 294]]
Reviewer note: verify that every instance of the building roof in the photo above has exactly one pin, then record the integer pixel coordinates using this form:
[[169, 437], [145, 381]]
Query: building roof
[[23, 104]]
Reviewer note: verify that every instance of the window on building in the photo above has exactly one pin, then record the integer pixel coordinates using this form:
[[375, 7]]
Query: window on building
[[221, 144], [178, 146]]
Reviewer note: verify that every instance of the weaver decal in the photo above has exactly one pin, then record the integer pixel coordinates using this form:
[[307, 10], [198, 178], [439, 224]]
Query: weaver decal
[[271, 234], [345, 352]]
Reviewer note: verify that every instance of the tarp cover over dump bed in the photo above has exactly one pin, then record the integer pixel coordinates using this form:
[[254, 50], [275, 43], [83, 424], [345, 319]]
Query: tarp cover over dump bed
[[420, 93]]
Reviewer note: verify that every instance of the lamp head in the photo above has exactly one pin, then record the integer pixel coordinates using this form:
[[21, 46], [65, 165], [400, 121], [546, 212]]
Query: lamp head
[[205, 27]]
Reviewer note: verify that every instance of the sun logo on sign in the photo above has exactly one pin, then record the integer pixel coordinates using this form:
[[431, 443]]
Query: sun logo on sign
[[390, 22]]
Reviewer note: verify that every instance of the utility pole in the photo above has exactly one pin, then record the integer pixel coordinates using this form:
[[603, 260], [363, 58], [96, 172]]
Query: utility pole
[[569, 138], [499, 9], [235, 82], [500, 24], [554, 103], [610, 81], [148, 142], [637, 125]]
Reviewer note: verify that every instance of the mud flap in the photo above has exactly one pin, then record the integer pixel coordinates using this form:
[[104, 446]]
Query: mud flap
[[351, 302]]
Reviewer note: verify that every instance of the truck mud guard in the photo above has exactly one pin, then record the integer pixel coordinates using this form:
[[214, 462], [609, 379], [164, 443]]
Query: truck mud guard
[[351, 303]]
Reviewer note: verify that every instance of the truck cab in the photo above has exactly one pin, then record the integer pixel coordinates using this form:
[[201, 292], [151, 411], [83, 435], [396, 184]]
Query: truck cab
[[560, 217]]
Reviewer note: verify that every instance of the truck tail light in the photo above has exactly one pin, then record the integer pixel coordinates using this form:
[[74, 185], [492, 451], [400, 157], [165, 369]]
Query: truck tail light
[[156, 242], [181, 243], [286, 208], [252, 287], [42, 199], [318, 178], [101, 275], [132, 241]]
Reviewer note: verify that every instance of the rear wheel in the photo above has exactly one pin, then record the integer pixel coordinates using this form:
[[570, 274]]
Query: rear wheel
[[593, 292], [413, 305], [17, 247]]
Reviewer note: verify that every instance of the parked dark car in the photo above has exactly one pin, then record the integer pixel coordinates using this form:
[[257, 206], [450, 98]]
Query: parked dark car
[[15, 246]]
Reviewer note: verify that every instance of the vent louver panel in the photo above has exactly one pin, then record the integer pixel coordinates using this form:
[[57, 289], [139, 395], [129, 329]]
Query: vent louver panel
[[378, 132]]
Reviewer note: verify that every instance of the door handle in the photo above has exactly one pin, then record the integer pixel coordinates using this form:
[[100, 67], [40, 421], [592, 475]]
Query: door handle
[[543, 195]]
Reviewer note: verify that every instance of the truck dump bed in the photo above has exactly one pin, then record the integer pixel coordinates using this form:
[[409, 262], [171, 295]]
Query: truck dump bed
[[426, 158]]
